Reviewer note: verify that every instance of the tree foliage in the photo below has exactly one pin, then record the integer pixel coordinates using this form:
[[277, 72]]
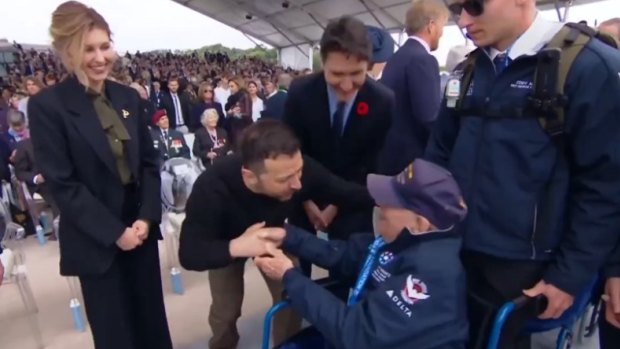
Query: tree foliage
[[234, 53]]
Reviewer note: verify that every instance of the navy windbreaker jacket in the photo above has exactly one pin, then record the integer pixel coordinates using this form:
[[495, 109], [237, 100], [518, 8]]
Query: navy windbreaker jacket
[[505, 166], [414, 298]]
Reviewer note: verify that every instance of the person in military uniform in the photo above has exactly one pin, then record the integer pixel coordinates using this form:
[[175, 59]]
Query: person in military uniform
[[168, 142]]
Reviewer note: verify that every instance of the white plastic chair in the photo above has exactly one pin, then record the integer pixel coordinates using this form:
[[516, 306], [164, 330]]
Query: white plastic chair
[[16, 273], [36, 208], [75, 291], [177, 176]]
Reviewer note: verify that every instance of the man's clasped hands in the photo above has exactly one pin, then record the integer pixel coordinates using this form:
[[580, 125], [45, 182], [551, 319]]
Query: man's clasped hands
[[262, 244]]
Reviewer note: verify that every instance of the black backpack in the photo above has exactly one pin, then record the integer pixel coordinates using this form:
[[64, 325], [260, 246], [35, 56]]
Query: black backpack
[[547, 104]]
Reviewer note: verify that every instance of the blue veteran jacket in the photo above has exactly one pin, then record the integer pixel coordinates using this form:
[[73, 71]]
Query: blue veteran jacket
[[505, 166], [414, 298]]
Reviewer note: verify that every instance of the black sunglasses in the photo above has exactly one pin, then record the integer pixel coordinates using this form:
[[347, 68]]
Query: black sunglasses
[[473, 7]]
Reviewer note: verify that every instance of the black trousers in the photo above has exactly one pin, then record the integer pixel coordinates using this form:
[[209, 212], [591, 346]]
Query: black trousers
[[125, 305], [498, 281], [609, 335]]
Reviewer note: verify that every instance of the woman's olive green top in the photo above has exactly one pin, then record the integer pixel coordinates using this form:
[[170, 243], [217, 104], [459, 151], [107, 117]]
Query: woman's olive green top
[[115, 131]]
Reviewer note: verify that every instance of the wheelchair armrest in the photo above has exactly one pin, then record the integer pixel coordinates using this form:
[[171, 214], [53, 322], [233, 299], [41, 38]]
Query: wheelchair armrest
[[326, 282]]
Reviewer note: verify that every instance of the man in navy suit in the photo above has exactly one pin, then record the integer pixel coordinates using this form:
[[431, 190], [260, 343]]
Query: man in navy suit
[[413, 74], [341, 118], [276, 99], [177, 105]]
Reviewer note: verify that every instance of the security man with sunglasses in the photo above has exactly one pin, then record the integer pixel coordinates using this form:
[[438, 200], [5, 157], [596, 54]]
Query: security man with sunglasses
[[544, 210]]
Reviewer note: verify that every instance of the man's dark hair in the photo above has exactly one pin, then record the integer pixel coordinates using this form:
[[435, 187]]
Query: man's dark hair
[[347, 35], [266, 139]]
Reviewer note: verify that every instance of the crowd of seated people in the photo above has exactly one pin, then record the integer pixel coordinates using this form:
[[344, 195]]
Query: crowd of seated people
[[211, 95]]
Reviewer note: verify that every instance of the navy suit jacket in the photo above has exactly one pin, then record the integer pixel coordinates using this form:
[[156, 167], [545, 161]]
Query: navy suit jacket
[[173, 147], [355, 154], [413, 74], [274, 106]]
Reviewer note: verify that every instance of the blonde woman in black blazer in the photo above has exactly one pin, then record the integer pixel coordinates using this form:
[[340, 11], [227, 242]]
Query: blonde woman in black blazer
[[98, 159]]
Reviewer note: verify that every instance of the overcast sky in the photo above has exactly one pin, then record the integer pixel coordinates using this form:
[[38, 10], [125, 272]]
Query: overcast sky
[[158, 24]]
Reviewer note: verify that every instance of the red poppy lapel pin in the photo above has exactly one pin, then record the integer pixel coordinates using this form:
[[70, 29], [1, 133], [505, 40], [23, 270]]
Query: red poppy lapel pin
[[362, 108]]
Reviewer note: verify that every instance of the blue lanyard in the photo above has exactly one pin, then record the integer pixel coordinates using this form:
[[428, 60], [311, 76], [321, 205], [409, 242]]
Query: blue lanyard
[[366, 269]]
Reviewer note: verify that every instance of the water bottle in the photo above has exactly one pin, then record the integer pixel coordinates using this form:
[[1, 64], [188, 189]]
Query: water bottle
[[44, 219], [177, 282], [76, 312], [41, 235]]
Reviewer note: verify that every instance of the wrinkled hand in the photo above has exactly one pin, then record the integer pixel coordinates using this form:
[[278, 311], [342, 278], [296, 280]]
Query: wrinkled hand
[[256, 241], [315, 215], [39, 179], [141, 228], [274, 265], [211, 155], [612, 301], [129, 240], [329, 213], [558, 300]]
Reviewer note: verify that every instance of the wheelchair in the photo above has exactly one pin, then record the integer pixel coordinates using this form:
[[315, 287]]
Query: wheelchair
[[310, 338], [307, 338], [565, 323]]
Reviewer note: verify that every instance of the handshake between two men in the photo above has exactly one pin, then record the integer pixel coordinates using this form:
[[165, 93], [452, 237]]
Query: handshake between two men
[[262, 243]]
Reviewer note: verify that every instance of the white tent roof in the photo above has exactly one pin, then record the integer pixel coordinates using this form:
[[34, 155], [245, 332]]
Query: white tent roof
[[303, 21]]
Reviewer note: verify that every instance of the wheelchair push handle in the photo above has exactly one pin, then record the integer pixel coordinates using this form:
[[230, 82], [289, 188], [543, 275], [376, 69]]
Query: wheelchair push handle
[[540, 303], [507, 309], [269, 318]]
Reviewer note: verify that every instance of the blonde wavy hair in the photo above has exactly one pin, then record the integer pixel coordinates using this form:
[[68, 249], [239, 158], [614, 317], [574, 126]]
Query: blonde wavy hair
[[71, 21]]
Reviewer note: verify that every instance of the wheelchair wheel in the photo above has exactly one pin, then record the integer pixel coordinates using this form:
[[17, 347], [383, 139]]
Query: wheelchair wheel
[[565, 339]]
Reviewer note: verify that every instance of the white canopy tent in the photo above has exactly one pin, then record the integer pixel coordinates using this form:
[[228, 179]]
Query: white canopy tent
[[294, 27]]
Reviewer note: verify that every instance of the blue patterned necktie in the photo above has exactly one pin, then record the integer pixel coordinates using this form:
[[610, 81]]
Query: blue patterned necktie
[[338, 121], [501, 61]]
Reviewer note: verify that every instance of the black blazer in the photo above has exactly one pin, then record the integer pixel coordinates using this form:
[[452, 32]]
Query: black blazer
[[168, 104], [199, 108], [77, 162], [413, 74], [355, 154], [203, 145], [173, 147], [155, 98], [149, 111], [274, 106], [25, 166]]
